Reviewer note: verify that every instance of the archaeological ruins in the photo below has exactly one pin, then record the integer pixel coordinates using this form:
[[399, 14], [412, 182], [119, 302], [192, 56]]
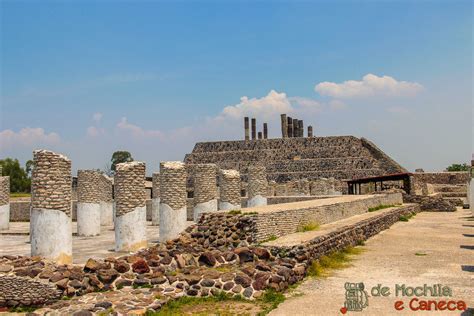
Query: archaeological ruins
[[223, 220]]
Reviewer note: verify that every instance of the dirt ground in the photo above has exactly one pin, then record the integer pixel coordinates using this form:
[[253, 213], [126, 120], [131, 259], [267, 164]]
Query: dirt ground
[[432, 248]]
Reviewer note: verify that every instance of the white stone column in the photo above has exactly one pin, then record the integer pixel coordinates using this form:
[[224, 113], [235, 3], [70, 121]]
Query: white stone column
[[130, 199], [470, 193], [88, 203], [4, 202], [257, 186], [205, 189], [229, 185], [155, 200], [106, 201], [173, 213], [50, 222]]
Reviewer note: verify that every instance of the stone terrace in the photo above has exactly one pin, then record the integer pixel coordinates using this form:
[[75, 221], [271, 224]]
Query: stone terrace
[[302, 157]]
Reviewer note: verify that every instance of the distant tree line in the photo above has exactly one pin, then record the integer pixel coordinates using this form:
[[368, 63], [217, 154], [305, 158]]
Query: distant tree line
[[458, 167], [20, 178]]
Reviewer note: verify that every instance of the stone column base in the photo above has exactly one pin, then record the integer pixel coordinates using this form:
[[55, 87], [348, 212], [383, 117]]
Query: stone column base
[[228, 206], [210, 206], [155, 211], [172, 222], [88, 219], [130, 230], [106, 213], [4, 216], [257, 200], [51, 235]]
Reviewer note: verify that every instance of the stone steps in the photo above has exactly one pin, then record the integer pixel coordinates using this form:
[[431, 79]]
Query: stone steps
[[453, 194]]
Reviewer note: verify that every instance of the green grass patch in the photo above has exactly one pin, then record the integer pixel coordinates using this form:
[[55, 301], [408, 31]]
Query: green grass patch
[[23, 309], [308, 227], [380, 207], [406, 218], [19, 194], [235, 212], [221, 304], [335, 260], [420, 254], [142, 286], [250, 213], [271, 238], [270, 300]]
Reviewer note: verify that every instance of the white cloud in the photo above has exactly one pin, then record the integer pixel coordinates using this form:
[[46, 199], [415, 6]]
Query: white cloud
[[26, 137], [371, 85], [97, 117], [269, 106], [306, 103], [137, 131], [265, 107], [337, 105]]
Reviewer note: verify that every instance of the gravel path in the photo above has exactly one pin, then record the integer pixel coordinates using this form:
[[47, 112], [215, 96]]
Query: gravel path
[[432, 248]]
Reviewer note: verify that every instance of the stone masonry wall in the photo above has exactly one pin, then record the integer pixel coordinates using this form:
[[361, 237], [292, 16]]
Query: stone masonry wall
[[229, 185], [88, 189], [341, 157], [4, 190], [51, 183], [257, 184], [156, 185], [129, 187], [287, 221], [16, 290], [173, 184], [205, 186], [349, 235], [105, 188]]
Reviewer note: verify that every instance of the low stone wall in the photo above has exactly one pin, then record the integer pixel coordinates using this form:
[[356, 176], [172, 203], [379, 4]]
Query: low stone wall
[[423, 180], [431, 203], [349, 235], [15, 290], [286, 219]]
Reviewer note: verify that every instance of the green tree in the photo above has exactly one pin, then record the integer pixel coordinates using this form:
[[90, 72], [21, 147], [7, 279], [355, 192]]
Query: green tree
[[458, 167], [119, 157], [29, 167], [19, 180]]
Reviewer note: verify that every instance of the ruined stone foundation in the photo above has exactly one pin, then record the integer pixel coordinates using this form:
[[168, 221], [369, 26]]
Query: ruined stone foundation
[[205, 189], [130, 220], [50, 222], [155, 201], [88, 203], [4, 203], [173, 199]]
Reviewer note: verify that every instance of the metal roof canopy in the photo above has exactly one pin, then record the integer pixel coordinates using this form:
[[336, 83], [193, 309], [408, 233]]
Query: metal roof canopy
[[386, 177], [354, 184]]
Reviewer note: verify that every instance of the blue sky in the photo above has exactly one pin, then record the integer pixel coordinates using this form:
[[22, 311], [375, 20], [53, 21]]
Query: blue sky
[[89, 77]]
